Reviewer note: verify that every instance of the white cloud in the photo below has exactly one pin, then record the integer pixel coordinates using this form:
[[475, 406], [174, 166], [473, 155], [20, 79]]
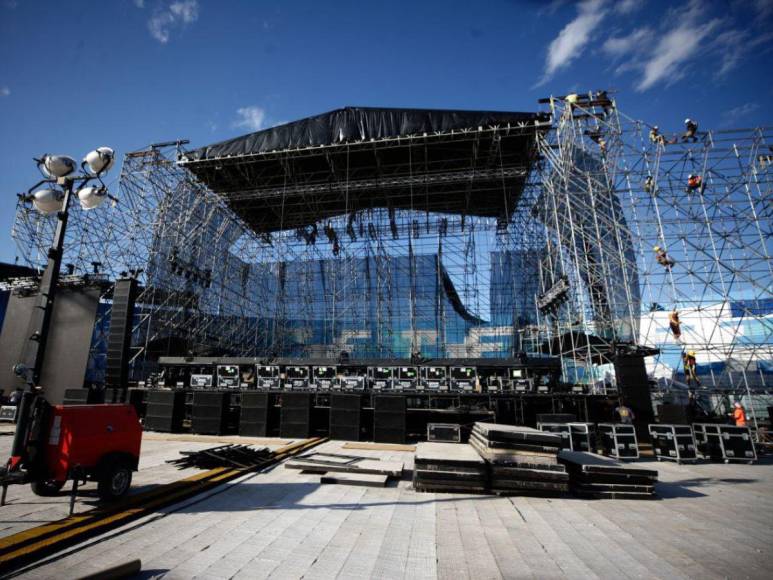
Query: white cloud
[[571, 41], [734, 44], [176, 16], [619, 46], [628, 6], [730, 116], [252, 118], [139, 3], [764, 8], [4, 91], [185, 10], [677, 46]]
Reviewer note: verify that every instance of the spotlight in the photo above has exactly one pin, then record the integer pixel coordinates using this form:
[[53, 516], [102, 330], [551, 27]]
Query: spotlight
[[57, 165], [100, 160], [47, 201], [92, 197]]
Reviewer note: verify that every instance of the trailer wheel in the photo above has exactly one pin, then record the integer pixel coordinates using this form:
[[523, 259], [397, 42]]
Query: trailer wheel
[[46, 488], [115, 480]]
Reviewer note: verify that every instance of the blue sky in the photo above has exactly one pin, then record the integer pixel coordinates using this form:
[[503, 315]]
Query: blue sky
[[126, 73]]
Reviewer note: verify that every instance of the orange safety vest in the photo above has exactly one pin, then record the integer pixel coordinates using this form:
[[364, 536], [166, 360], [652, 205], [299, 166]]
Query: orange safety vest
[[740, 417]]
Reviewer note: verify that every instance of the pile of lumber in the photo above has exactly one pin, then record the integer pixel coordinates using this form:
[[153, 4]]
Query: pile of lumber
[[594, 476], [448, 467], [520, 459], [238, 456]]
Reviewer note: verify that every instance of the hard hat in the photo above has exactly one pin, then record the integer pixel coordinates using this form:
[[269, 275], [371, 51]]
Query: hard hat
[[737, 404], [655, 127], [687, 120], [690, 176], [656, 249], [691, 353]]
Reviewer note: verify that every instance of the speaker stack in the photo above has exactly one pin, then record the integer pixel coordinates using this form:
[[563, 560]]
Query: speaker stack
[[120, 336], [76, 397], [136, 398], [389, 419], [210, 412], [253, 420], [345, 416], [165, 411], [295, 416], [113, 396]]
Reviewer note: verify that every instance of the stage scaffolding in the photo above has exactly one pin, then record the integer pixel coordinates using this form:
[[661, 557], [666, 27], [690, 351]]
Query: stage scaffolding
[[559, 262]]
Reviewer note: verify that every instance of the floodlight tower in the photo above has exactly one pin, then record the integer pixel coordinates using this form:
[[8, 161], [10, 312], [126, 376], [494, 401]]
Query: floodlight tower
[[63, 179]]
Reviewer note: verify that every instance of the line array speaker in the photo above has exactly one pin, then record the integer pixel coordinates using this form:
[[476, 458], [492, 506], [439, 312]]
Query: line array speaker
[[120, 336], [253, 420], [345, 416], [296, 415], [389, 413], [165, 411]]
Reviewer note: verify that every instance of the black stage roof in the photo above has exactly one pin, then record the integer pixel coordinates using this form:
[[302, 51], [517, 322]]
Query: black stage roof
[[358, 158]]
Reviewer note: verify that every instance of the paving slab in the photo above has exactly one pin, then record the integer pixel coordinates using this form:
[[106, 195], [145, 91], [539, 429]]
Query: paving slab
[[711, 521]]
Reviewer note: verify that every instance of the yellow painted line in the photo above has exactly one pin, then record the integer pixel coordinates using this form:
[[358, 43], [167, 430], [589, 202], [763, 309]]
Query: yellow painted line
[[27, 542], [45, 529]]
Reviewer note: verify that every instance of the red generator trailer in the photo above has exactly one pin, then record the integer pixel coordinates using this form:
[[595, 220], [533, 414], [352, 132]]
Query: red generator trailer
[[54, 443]]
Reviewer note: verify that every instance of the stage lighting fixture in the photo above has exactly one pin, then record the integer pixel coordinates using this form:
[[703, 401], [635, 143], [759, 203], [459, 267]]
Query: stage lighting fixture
[[48, 201], [92, 197], [57, 165], [100, 160]]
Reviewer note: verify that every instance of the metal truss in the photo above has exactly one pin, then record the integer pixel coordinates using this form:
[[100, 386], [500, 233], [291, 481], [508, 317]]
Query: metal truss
[[611, 196], [390, 281]]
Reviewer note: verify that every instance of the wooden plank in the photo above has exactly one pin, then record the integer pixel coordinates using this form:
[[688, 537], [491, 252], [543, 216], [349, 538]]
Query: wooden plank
[[378, 446], [360, 479], [391, 468]]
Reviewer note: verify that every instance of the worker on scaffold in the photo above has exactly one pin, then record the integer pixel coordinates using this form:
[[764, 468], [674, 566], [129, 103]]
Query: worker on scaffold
[[691, 131], [656, 137], [694, 183], [663, 258], [649, 185], [690, 368], [738, 414], [675, 325]]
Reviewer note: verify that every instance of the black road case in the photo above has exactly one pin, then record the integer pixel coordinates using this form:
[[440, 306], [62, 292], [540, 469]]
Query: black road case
[[674, 442], [618, 440], [725, 442]]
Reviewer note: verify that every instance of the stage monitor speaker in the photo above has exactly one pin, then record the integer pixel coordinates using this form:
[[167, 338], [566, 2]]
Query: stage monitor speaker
[[209, 414], [389, 419], [253, 420], [120, 336], [165, 411], [345, 416], [295, 415]]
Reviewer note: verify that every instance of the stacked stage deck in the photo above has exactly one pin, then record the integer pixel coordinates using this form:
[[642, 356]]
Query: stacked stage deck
[[521, 459], [448, 467], [595, 476]]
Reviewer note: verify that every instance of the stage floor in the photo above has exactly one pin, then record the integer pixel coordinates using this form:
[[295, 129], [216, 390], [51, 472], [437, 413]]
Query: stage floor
[[711, 521]]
